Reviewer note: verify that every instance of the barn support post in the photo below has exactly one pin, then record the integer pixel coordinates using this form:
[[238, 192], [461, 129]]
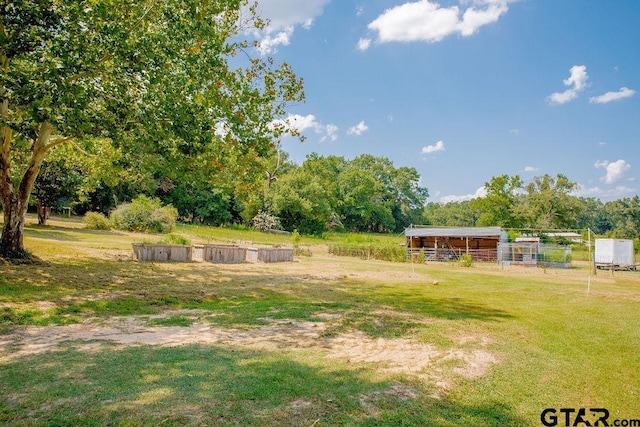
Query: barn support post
[[413, 269]]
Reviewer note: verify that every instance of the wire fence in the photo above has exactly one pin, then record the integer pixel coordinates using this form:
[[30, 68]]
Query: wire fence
[[534, 254]]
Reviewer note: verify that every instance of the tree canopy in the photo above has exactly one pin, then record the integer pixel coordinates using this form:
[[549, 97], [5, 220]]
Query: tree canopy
[[367, 193], [165, 81], [545, 203]]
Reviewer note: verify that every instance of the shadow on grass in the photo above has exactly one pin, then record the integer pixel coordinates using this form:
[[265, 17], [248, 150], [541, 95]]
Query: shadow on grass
[[53, 233], [197, 385], [96, 287], [64, 234]]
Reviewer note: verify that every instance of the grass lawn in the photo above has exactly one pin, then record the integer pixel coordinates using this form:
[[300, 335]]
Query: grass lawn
[[89, 337]]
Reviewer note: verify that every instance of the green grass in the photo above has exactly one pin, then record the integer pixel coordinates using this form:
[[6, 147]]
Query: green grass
[[555, 345], [197, 385], [232, 235]]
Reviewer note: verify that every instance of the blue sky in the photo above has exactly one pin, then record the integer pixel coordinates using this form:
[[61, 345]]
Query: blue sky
[[465, 90]]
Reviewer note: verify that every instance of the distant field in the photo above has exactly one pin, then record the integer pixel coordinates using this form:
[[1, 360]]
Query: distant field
[[89, 337]]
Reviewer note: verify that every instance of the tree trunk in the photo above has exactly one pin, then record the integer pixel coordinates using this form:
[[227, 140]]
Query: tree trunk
[[14, 202], [12, 245], [43, 212]]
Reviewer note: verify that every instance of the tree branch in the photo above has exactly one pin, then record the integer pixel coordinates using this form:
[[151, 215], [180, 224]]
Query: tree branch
[[83, 151], [60, 142]]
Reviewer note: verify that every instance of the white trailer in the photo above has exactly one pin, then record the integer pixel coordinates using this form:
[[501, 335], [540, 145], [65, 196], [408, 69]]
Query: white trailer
[[614, 254]]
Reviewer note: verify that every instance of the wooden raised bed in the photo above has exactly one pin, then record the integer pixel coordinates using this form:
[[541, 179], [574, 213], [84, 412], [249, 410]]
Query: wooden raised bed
[[270, 255], [160, 252], [225, 254]]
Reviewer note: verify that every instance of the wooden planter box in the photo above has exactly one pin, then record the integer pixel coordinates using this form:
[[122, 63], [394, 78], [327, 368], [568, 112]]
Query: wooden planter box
[[159, 252], [269, 255], [198, 253], [224, 254]]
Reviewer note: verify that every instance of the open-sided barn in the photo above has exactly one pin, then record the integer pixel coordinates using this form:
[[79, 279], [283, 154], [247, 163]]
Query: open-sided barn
[[441, 244]]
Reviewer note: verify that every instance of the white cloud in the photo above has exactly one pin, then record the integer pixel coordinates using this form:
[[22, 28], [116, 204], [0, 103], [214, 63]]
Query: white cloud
[[426, 21], [284, 16], [331, 131], [364, 44], [269, 42], [480, 192], [359, 10], [615, 170], [615, 193], [358, 129], [624, 92], [577, 82], [530, 169], [301, 124], [439, 146], [474, 18]]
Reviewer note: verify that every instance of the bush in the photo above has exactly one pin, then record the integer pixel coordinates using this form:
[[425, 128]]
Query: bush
[[264, 221], [145, 214], [466, 260], [295, 238], [175, 239], [303, 252], [96, 221]]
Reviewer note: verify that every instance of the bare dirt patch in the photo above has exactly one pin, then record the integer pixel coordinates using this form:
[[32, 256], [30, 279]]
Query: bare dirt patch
[[386, 355]]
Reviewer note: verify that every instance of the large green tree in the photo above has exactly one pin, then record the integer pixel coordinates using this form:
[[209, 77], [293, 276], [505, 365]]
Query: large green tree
[[57, 185], [306, 197], [624, 217], [591, 215], [376, 196], [301, 202], [164, 79], [548, 203], [496, 208], [452, 214]]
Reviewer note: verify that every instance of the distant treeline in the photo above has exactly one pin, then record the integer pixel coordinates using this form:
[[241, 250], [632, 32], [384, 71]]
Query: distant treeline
[[329, 193]]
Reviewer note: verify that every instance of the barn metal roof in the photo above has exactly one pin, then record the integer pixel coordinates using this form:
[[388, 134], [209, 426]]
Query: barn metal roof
[[456, 232]]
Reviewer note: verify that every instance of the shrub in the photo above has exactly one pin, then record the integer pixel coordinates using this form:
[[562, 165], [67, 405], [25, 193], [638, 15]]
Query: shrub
[[175, 239], [164, 219], [145, 214], [264, 221], [96, 221], [295, 239], [303, 252], [465, 260]]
